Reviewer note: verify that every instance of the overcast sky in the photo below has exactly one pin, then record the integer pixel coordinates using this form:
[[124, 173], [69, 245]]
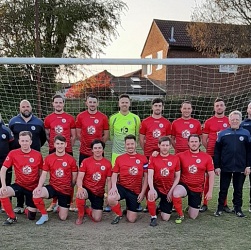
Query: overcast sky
[[136, 23]]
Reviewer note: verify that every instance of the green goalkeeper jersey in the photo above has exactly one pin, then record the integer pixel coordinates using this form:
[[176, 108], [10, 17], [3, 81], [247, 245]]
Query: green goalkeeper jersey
[[120, 126]]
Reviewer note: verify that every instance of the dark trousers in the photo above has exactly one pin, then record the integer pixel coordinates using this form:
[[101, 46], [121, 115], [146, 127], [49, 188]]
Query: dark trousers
[[238, 181]]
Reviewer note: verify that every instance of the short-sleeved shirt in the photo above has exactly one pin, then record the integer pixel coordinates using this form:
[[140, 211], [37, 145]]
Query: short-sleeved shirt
[[26, 167], [193, 168], [6, 137], [92, 127], [96, 173], [181, 129], [121, 126], [60, 124], [212, 127], [152, 129], [131, 169], [34, 125], [164, 168], [60, 169]]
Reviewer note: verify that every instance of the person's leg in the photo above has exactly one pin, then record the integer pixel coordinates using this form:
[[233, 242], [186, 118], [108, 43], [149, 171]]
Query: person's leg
[[64, 202], [151, 206], [194, 201], [165, 207], [7, 206], [96, 210], [31, 209], [80, 203], [238, 181]]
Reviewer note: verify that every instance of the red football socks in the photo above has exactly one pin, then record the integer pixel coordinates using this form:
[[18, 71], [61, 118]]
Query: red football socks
[[39, 203], [117, 209], [7, 206], [177, 202], [151, 205], [80, 203]]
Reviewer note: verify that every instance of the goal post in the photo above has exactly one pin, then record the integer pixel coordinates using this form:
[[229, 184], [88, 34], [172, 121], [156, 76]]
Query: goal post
[[200, 80]]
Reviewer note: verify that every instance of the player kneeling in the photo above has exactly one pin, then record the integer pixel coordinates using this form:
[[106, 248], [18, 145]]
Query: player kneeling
[[163, 176], [194, 164], [128, 173], [63, 173], [91, 180], [26, 163]]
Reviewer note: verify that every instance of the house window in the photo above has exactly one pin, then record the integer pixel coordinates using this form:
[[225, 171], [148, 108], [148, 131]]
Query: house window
[[159, 56], [147, 69], [228, 68]]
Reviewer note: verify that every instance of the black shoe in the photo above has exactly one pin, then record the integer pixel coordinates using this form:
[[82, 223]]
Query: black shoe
[[203, 208], [240, 214], [227, 209], [218, 213], [139, 208], [153, 222], [10, 221], [116, 220]]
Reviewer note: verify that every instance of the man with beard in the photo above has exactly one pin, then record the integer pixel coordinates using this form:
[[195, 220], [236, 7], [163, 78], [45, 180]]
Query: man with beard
[[211, 128], [26, 121], [193, 165], [91, 124], [183, 127], [60, 123]]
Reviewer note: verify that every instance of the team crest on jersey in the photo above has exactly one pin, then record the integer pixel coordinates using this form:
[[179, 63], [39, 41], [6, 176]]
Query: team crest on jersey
[[59, 129], [156, 133], [96, 121], [63, 120], [192, 169], [33, 128], [102, 168], [191, 125], [133, 171], [3, 136], [224, 125], [241, 138], [31, 160], [164, 172], [138, 161], [169, 164], [161, 125], [27, 170], [59, 173], [96, 176], [185, 133], [129, 122], [91, 130], [64, 163], [198, 160]]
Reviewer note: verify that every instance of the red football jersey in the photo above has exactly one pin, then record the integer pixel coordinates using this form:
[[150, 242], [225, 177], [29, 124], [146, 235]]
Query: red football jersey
[[212, 127], [181, 129], [60, 124], [60, 169], [164, 171], [96, 172], [92, 127], [193, 168], [26, 167], [153, 129], [131, 169]]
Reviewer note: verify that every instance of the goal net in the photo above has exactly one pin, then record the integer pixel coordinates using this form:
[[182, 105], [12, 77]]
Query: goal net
[[143, 81]]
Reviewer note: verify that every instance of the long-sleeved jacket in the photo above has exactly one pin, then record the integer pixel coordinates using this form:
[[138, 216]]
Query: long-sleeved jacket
[[231, 152]]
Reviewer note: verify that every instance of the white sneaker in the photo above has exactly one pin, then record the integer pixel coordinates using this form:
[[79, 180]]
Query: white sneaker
[[42, 219], [18, 210]]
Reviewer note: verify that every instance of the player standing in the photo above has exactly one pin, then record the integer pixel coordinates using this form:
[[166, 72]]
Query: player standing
[[26, 121], [163, 176], [91, 180], [63, 173], [211, 128], [183, 127], [26, 163], [129, 172], [59, 123], [194, 164]]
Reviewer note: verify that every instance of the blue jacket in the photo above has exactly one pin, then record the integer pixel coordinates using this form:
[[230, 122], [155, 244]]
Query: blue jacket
[[34, 125], [231, 150]]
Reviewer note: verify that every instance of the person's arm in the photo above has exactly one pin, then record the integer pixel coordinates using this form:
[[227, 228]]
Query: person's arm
[[204, 140], [152, 192], [73, 136], [74, 178], [109, 184], [42, 135], [78, 133], [105, 136], [47, 132], [114, 179], [41, 182], [209, 194], [3, 179], [142, 140], [175, 183], [144, 187], [173, 141]]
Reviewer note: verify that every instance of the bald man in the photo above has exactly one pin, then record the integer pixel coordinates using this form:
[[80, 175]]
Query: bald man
[[26, 121]]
